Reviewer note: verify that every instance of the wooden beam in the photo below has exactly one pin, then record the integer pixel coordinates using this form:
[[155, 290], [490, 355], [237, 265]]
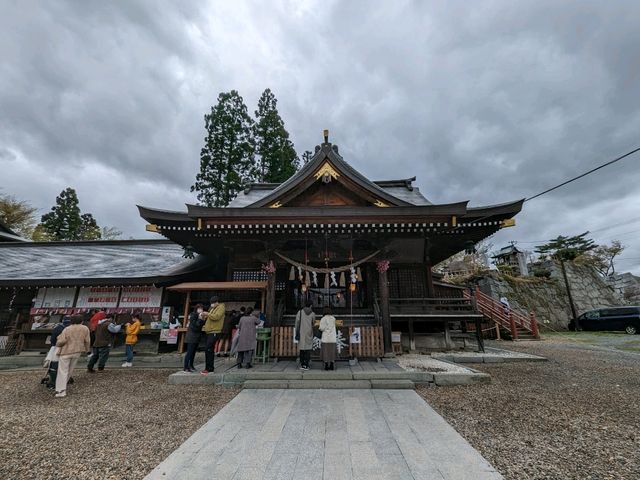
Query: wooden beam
[[187, 304]]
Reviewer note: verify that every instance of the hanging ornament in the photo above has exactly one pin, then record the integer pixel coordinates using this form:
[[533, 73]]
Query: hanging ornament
[[315, 278], [304, 288], [326, 281], [359, 274], [352, 287], [343, 282], [334, 282], [354, 276], [300, 276], [292, 273], [188, 251], [307, 278]]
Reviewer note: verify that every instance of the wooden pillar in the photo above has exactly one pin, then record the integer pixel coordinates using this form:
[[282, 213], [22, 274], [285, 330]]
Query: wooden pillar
[[271, 298], [428, 273], [383, 285], [187, 305]]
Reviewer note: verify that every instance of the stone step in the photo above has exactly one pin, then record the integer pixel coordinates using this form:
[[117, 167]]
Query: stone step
[[393, 384]]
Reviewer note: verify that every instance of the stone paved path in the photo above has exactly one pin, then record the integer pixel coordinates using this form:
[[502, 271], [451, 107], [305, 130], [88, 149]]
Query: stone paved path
[[326, 434]]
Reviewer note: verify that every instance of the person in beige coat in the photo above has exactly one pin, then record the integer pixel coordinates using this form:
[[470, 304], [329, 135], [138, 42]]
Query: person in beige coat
[[328, 340], [72, 342]]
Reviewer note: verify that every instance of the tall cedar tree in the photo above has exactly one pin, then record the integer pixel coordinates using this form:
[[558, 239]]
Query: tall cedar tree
[[278, 159], [226, 160], [64, 221], [566, 248]]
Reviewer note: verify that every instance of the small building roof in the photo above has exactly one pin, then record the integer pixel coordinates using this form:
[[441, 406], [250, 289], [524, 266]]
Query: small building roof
[[111, 262], [8, 235], [506, 251]]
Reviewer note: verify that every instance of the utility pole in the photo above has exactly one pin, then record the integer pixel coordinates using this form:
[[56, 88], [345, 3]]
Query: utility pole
[[566, 282]]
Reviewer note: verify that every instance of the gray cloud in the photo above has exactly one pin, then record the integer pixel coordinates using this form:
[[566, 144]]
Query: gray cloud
[[489, 104]]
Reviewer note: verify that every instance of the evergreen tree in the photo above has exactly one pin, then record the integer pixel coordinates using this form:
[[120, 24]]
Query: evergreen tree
[[226, 160], [89, 229], [64, 221], [566, 248], [306, 156], [278, 159]]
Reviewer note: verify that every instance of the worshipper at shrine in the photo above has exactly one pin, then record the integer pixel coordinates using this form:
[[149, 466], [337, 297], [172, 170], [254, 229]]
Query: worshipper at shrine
[[103, 340], [132, 330], [54, 359], [328, 340], [305, 319], [247, 340], [194, 332], [71, 343], [214, 320]]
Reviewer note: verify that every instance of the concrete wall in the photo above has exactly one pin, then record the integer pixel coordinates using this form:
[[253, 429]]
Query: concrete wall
[[548, 297]]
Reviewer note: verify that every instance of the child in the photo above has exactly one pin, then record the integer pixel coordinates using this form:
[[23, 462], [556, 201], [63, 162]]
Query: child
[[132, 330]]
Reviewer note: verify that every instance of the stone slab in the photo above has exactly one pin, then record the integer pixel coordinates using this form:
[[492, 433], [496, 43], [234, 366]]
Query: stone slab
[[442, 379], [326, 434], [273, 376], [330, 384], [382, 375], [262, 384], [421, 377], [398, 384], [330, 375], [183, 378]]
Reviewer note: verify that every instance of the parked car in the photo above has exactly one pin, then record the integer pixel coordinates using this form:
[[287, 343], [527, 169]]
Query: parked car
[[615, 319]]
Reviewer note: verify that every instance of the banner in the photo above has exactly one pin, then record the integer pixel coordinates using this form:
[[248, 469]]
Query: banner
[[98, 297], [140, 297], [56, 298]]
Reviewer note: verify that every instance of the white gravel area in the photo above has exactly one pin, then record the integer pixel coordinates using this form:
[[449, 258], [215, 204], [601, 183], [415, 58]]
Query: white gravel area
[[425, 363]]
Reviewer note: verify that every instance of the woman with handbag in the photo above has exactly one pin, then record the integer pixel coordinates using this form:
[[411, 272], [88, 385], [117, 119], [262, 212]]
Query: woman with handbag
[[194, 332], [328, 340]]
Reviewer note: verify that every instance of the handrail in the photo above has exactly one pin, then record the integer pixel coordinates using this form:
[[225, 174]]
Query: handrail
[[505, 316]]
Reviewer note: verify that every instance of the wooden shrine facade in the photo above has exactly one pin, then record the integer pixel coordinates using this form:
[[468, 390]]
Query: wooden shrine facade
[[331, 236]]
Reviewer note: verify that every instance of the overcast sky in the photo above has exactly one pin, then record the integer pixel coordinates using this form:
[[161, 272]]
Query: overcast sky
[[482, 101]]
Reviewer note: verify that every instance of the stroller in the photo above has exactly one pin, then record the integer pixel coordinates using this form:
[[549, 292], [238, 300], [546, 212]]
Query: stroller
[[51, 366]]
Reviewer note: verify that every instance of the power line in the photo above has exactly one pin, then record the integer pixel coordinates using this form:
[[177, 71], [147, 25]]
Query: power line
[[584, 174]]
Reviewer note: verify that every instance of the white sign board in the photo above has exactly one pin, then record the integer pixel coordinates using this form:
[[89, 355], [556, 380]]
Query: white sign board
[[39, 300], [58, 298], [140, 297], [98, 297]]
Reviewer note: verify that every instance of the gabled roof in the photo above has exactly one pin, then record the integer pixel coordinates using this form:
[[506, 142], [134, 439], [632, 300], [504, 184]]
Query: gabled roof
[[327, 154], [110, 262]]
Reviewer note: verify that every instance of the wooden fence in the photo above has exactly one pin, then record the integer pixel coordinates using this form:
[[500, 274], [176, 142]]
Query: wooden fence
[[370, 346]]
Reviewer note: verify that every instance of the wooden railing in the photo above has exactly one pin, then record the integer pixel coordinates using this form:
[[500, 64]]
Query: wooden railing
[[504, 316], [370, 346]]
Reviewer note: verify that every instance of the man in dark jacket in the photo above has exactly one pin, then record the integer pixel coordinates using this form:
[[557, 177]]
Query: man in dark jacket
[[102, 343], [194, 332]]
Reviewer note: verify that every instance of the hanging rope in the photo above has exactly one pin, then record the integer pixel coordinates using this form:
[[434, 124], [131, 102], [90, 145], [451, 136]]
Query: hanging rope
[[344, 268]]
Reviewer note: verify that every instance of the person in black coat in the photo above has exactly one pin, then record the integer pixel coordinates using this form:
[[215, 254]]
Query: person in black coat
[[194, 331]]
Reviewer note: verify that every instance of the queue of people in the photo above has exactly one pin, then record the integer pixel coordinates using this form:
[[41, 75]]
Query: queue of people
[[72, 338]]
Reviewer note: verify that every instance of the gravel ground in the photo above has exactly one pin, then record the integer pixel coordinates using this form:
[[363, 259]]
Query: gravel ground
[[115, 425], [576, 416]]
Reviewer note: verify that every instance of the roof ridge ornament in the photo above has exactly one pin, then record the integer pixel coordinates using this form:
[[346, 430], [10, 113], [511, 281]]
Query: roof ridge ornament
[[326, 169]]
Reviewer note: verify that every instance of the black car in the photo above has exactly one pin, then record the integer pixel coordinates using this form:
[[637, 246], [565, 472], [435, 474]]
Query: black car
[[615, 319]]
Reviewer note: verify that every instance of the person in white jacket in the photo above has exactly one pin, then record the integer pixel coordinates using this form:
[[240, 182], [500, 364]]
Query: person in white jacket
[[328, 340]]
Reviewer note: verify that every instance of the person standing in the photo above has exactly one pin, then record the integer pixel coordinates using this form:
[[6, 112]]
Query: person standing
[[305, 319], [214, 320], [328, 340], [131, 329], [53, 364], [70, 344], [247, 340], [194, 331], [103, 340]]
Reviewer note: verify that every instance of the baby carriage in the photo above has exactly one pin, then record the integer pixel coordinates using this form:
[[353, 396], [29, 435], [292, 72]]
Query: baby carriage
[[51, 367]]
